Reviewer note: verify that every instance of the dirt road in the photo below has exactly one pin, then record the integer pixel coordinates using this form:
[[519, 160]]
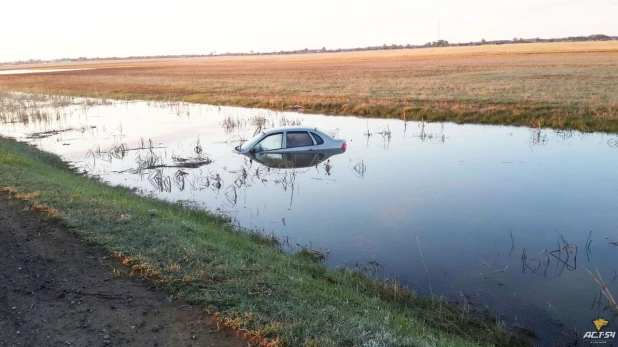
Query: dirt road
[[57, 291]]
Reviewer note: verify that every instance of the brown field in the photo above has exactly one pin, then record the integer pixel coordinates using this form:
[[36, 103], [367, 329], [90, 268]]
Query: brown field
[[560, 85]]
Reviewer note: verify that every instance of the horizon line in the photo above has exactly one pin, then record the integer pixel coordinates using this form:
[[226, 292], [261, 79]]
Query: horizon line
[[432, 44]]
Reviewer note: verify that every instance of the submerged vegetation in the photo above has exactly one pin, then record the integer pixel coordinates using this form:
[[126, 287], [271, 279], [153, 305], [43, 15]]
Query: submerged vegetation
[[559, 85], [242, 278]]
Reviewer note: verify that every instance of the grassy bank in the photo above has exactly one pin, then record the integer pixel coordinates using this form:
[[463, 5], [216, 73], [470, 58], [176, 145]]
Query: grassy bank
[[242, 278], [559, 85]]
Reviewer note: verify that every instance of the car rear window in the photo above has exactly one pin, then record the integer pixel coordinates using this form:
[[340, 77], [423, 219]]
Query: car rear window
[[298, 139], [317, 138]]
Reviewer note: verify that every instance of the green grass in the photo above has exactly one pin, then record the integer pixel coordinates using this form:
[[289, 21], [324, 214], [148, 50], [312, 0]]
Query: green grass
[[241, 278]]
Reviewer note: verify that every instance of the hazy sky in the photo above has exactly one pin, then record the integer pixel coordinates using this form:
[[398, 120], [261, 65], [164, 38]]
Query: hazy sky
[[70, 28]]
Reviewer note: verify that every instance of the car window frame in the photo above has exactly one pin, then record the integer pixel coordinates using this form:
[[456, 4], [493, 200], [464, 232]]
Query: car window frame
[[314, 135], [313, 141]]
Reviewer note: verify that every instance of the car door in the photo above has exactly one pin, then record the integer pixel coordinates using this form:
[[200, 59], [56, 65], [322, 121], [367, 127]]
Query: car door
[[299, 141]]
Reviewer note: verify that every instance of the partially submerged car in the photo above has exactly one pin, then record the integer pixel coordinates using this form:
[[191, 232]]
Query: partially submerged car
[[290, 139]]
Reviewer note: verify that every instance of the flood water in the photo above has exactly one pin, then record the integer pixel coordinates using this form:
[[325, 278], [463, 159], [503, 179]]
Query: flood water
[[505, 217]]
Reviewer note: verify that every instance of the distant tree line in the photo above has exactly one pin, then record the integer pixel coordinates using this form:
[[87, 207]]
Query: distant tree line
[[598, 37], [439, 43]]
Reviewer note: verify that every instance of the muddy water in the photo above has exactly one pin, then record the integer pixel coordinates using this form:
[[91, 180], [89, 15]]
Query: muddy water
[[505, 217]]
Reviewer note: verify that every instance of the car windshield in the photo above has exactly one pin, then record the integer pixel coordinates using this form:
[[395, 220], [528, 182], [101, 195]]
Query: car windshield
[[269, 143]]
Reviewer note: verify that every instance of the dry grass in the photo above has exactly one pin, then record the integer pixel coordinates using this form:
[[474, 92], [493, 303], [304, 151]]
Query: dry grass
[[562, 85], [610, 298], [29, 196]]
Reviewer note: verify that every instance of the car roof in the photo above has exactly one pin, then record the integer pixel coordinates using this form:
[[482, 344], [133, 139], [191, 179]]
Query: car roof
[[290, 128]]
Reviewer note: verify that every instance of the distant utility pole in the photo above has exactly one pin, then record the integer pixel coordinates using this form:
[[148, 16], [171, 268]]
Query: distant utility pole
[[438, 30]]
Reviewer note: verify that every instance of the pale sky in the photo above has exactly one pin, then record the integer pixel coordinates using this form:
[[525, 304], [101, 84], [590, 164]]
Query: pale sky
[[51, 29]]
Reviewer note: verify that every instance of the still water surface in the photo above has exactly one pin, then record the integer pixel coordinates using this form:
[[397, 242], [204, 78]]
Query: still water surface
[[505, 216]]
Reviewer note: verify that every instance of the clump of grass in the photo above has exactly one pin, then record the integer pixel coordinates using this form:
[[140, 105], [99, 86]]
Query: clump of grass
[[27, 196], [230, 123], [142, 144], [148, 160], [285, 121], [198, 149], [52, 212], [313, 255], [604, 289], [386, 133], [258, 120]]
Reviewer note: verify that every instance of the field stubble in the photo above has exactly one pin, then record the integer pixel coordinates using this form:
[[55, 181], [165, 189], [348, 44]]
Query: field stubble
[[563, 85]]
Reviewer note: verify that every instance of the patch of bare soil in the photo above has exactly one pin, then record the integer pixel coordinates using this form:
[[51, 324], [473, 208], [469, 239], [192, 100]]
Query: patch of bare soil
[[57, 291]]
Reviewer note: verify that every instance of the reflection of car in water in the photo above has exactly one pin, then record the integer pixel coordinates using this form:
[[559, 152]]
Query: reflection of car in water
[[290, 139], [293, 160]]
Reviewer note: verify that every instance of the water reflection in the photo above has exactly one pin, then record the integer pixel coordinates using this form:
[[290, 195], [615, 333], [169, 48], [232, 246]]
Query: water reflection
[[538, 137], [359, 167], [423, 135], [294, 160]]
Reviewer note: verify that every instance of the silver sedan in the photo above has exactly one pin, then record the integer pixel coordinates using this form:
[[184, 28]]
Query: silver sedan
[[290, 139]]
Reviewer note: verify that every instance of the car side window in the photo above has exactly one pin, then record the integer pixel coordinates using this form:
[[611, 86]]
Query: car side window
[[298, 139], [318, 139], [269, 143]]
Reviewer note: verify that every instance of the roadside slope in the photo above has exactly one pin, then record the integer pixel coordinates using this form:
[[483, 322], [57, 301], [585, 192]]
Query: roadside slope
[[55, 290]]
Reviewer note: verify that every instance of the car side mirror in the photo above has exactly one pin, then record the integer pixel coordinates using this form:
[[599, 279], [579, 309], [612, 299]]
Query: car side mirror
[[252, 150]]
